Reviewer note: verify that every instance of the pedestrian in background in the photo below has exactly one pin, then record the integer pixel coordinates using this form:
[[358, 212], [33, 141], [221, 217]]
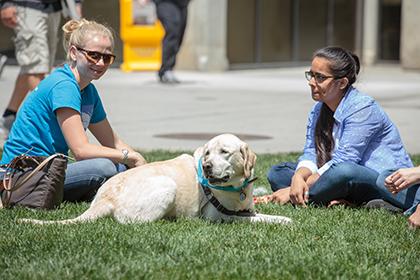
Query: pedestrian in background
[[35, 24], [173, 16], [3, 59]]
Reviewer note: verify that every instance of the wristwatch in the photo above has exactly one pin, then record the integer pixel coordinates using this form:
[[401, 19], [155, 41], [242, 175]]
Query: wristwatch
[[125, 156]]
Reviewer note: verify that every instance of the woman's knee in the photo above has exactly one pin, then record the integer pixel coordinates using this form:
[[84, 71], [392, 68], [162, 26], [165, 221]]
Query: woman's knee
[[106, 167], [380, 181], [342, 180], [272, 177], [102, 167], [280, 175], [83, 178], [99, 168], [345, 171]]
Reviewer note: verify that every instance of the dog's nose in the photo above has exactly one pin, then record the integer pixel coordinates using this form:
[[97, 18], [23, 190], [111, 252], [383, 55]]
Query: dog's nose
[[207, 166]]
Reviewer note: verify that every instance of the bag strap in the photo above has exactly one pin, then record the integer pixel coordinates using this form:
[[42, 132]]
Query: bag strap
[[7, 182], [9, 169]]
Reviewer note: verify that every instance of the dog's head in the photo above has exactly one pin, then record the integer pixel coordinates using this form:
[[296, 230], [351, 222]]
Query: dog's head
[[226, 160]]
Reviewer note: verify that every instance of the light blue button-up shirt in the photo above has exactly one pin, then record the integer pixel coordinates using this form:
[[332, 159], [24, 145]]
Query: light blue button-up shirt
[[363, 134]]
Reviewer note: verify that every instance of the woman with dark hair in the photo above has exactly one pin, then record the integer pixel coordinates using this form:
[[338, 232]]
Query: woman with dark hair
[[349, 141]]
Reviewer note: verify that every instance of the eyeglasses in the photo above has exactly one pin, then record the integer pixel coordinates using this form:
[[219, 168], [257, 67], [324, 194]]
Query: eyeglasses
[[319, 78], [95, 57]]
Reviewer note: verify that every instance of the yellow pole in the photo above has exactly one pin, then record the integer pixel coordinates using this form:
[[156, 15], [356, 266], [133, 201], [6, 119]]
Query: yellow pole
[[142, 50]]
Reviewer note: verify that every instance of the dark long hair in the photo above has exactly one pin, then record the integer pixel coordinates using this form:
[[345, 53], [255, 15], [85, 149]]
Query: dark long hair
[[343, 63]]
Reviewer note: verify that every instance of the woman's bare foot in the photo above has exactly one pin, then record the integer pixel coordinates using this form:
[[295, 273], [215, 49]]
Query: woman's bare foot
[[337, 202], [414, 219], [280, 196]]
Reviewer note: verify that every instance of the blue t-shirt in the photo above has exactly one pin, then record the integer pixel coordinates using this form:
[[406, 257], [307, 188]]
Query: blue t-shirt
[[36, 128]]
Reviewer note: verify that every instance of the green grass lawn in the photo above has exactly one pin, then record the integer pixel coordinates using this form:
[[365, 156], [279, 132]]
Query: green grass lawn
[[320, 244]]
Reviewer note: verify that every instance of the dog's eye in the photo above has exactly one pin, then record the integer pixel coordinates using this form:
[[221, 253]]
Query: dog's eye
[[224, 151], [207, 153]]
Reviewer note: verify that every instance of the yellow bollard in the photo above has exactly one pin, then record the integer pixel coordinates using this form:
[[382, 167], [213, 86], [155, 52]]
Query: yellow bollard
[[142, 48]]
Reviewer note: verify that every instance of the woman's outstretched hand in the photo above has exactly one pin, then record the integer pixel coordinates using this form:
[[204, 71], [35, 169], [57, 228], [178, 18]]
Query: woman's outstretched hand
[[402, 179], [280, 196]]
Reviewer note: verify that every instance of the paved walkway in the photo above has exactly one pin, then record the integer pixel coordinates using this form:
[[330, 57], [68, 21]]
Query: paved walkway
[[267, 107]]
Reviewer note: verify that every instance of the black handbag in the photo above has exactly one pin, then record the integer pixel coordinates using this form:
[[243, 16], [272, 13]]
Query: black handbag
[[34, 181]]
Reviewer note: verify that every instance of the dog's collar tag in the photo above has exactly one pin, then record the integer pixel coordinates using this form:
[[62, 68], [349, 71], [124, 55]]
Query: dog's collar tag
[[242, 195]]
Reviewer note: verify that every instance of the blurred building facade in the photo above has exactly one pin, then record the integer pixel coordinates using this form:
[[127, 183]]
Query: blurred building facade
[[240, 34]]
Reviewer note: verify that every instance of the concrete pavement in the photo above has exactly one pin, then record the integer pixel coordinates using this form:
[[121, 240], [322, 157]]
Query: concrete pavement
[[268, 108]]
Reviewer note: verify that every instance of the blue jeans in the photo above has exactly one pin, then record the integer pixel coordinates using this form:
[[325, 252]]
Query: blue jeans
[[83, 178], [349, 181], [407, 199]]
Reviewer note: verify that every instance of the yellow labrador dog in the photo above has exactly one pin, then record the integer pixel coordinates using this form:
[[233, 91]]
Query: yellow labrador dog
[[214, 184]]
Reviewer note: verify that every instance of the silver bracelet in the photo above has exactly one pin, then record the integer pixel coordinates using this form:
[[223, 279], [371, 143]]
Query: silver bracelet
[[125, 153]]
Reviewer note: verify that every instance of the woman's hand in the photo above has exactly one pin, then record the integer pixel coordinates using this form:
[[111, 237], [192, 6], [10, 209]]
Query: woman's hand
[[299, 190], [135, 159], [402, 179], [280, 196]]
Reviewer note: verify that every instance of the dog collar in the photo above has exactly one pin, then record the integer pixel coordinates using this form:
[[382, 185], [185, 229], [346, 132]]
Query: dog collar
[[205, 182], [216, 204]]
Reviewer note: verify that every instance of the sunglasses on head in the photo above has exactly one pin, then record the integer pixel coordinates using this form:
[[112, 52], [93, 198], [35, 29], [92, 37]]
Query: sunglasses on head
[[319, 78], [95, 57]]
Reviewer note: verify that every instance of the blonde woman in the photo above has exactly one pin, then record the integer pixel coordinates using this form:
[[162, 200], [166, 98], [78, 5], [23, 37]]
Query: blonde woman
[[56, 115]]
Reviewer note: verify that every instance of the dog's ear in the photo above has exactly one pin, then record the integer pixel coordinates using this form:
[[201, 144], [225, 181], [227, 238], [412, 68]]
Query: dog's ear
[[249, 159]]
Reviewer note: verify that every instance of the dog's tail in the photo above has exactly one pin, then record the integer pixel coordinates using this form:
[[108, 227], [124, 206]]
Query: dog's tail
[[95, 211]]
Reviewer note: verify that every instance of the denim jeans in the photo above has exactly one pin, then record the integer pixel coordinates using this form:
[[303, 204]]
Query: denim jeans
[[83, 178], [350, 181], [407, 199]]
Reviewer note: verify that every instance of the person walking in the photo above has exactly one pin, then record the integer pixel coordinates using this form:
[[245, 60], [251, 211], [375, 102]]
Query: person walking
[[3, 60], [35, 24], [173, 16], [55, 116]]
